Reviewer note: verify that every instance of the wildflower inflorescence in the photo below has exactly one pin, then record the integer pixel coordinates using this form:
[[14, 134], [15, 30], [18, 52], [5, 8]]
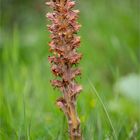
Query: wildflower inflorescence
[[64, 46]]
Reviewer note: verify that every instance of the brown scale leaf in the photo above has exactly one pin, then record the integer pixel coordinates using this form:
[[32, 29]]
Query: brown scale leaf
[[71, 74], [53, 28], [72, 15], [57, 71], [57, 83], [75, 72], [61, 103], [75, 89], [74, 57], [69, 4], [55, 60], [76, 11], [51, 4], [59, 49], [53, 17], [52, 59], [75, 42]]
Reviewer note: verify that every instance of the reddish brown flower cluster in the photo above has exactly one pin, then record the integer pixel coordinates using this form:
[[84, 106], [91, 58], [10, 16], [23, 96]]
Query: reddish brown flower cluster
[[64, 43]]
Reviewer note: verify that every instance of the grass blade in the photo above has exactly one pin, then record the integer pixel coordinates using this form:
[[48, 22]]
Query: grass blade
[[104, 108]]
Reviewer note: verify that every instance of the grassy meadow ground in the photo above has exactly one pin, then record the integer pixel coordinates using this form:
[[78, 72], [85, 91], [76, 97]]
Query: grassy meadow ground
[[110, 47]]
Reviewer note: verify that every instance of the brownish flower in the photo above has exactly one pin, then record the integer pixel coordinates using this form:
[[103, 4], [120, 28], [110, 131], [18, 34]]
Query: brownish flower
[[63, 45]]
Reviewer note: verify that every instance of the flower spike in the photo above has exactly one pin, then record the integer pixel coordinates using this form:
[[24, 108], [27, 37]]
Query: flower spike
[[63, 45]]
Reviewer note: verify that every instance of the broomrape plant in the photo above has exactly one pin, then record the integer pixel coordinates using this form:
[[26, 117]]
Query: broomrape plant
[[63, 46]]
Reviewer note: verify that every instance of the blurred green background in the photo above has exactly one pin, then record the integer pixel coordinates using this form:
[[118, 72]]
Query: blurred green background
[[109, 103]]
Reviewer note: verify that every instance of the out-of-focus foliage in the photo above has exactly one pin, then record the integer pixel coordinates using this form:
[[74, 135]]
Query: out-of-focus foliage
[[110, 47]]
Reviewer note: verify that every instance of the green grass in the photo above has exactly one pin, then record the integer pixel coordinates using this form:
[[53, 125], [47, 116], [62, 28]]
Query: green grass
[[110, 50]]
